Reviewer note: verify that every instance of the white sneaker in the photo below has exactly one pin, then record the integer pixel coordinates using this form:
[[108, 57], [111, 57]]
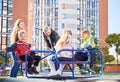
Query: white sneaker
[[58, 73], [52, 74]]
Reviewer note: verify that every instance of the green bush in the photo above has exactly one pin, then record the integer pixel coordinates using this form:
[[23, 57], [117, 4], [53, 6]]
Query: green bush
[[1, 60]]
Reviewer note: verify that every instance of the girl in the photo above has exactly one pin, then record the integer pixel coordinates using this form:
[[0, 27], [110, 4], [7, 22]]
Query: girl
[[20, 47], [65, 42]]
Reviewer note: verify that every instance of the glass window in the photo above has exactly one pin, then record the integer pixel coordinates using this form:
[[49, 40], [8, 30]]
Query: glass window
[[0, 24], [0, 6], [5, 11], [4, 23]]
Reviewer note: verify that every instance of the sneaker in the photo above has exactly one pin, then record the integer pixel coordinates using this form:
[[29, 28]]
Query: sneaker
[[83, 71], [52, 74], [58, 73], [30, 71], [92, 72], [34, 70]]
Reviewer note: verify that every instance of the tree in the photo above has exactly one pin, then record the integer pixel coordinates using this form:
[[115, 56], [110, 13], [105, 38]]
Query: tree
[[114, 40], [109, 58], [105, 50]]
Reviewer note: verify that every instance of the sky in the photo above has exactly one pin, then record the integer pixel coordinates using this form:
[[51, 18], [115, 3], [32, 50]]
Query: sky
[[113, 16], [113, 19]]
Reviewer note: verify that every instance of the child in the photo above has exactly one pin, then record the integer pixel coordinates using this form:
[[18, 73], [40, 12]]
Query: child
[[20, 47], [86, 45], [65, 42]]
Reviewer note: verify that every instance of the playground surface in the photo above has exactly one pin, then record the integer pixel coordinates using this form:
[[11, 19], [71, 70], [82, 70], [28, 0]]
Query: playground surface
[[104, 78]]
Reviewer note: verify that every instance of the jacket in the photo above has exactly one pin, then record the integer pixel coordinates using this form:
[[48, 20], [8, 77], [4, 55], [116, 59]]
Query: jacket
[[88, 43], [54, 37], [19, 48]]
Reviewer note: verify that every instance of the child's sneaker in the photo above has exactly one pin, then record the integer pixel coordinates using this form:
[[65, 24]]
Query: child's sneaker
[[34, 70], [52, 74], [83, 71], [30, 71]]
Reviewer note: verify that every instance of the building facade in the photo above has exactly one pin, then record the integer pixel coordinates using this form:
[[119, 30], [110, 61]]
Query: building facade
[[6, 16], [57, 14], [73, 14]]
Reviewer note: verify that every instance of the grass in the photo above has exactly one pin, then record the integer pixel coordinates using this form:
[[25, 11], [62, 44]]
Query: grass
[[111, 74]]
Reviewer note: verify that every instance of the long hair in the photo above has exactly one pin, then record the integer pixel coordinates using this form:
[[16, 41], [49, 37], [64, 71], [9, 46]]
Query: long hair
[[16, 28], [63, 38]]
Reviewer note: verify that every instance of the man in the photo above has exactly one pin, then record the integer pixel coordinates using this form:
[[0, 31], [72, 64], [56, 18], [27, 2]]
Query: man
[[51, 37]]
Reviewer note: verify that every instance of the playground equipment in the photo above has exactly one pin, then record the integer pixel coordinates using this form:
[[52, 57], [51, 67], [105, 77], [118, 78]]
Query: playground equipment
[[98, 63]]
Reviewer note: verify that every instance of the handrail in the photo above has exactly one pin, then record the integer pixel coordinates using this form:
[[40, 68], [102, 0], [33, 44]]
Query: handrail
[[73, 61], [41, 51]]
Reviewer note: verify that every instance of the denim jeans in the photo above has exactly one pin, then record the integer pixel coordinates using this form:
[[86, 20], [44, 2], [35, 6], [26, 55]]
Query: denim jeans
[[15, 67]]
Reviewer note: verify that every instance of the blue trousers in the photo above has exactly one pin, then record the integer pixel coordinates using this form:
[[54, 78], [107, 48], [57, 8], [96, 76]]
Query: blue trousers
[[14, 69]]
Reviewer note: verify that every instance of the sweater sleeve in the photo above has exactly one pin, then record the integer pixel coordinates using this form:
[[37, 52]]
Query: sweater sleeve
[[11, 48]]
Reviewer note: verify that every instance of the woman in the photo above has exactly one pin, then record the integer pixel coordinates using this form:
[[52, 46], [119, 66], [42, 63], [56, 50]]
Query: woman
[[65, 42], [19, 25]]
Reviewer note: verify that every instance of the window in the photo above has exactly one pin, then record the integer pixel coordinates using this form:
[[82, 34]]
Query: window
[[5, 22]]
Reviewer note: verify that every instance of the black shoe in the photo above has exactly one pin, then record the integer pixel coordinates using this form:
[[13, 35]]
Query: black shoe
[[30, 71], [34, 70]]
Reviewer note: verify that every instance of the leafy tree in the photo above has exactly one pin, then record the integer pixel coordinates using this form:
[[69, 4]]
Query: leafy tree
[[105, 50], [109, 58], [114, 40]]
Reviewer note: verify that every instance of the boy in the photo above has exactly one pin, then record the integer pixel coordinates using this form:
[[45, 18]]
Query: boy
[[87, 44]]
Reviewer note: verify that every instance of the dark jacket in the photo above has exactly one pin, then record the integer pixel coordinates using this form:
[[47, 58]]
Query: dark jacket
[[54, 37]]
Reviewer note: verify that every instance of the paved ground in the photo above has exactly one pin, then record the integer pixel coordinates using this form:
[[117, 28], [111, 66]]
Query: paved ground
[[51, 80], [82, 78], [24, 79]]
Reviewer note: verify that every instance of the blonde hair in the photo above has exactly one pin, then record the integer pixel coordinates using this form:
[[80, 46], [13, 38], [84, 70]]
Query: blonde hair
[[64, 38], [16, 28], [21, 32], [67, 31]]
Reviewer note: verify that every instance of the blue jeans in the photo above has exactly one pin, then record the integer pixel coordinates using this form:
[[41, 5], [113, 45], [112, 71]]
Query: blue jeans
[[15, 67]]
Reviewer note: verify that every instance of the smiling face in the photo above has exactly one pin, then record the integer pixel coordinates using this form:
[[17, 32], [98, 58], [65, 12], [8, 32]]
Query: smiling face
[[85, 34], [22, 36], [48, 32], [21, 25]]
